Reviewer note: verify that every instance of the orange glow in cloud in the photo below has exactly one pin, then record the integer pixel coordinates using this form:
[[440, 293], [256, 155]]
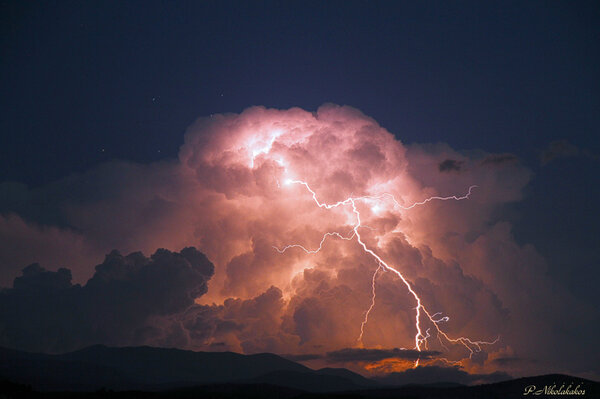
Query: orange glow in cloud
[[422, 335], [393, 365], [327, 232], [339, 187]]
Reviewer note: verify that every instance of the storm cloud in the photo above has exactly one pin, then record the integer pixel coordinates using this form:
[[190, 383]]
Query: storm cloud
[[366, 355], [361, 354], [45, 312], [227, 195]]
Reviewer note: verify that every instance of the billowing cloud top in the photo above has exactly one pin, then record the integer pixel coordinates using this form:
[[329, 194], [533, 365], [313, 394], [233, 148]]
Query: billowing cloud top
[[234, 194], [44, 311]]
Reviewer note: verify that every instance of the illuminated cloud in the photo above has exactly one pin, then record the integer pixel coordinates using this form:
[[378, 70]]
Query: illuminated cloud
[[230, 195]]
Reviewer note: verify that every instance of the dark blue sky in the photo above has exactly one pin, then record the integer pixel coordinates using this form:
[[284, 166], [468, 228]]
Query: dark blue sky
[[85, 82]]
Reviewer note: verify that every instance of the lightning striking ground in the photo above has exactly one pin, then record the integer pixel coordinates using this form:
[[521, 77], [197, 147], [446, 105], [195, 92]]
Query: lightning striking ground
[[420, 337]]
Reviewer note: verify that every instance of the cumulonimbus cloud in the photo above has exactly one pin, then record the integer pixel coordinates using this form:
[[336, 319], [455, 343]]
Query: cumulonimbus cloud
[[226, 195]]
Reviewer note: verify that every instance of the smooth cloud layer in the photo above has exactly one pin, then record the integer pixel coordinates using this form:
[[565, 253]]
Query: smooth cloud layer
[[227, 196]]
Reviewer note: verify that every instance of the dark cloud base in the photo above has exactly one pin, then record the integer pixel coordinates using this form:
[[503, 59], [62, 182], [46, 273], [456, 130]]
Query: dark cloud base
[[427, 375], [365, 355]]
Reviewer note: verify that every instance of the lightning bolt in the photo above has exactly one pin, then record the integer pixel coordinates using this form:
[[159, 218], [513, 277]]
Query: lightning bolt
[[420, 310], [373, 295]]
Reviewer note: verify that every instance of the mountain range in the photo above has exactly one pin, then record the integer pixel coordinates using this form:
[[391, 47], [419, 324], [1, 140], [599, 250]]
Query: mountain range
[[152, 369], [100, 371]]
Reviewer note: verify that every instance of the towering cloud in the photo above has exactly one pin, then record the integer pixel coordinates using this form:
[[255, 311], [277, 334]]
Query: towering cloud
[[44, 311], [227, 195]]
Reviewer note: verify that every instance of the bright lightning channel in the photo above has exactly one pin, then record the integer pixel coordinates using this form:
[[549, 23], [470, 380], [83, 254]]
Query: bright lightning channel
[[373, 295], [420, 338]]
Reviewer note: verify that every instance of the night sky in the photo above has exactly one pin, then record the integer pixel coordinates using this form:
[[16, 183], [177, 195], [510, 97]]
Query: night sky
[[86, 83]]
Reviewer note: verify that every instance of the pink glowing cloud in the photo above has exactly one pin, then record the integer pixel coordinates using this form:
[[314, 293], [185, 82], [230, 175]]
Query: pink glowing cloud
[[232, 195]]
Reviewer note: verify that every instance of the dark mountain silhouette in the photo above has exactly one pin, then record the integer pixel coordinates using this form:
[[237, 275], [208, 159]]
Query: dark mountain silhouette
[[345, 373], [499, 390], [160, 365], [316, 381], [172, 373], [503, 390], [148, 368]]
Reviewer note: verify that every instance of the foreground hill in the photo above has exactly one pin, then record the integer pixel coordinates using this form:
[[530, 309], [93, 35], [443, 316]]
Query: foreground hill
[[145, 372], [502, 390], [153, 369]]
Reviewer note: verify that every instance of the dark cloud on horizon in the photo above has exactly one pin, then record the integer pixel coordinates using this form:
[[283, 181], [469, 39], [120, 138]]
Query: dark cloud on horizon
[[371, 355], [45, 312], [365, 355], [431, 374], [303, 357]]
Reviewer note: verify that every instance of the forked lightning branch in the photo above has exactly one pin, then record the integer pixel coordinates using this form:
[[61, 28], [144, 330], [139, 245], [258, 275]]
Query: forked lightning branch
[[421, 337]]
